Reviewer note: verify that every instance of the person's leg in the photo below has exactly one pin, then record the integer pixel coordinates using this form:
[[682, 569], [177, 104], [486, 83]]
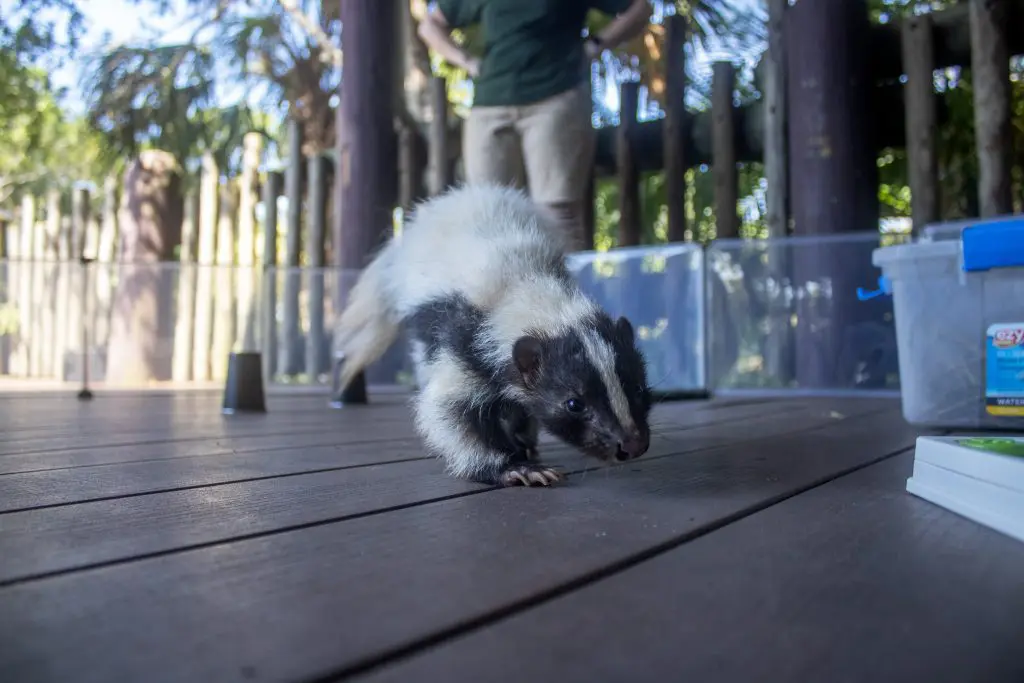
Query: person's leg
[[491, 148], [558, 150]]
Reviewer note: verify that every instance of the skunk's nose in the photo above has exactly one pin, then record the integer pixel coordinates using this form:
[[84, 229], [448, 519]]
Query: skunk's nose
[[633, 446]]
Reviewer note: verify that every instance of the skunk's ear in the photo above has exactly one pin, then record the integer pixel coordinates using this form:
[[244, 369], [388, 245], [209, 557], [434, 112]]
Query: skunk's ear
[[526, 353], [624, 329]]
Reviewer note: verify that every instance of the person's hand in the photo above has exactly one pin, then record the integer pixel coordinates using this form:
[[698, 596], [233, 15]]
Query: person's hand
[[593, 47], [473, 67]]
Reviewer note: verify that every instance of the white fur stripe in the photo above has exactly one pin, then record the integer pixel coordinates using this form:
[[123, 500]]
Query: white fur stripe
[[602, 355]]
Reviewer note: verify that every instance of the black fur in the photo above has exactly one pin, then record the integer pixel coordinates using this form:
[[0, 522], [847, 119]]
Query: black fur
[[487, 421], [553, 369], [566, 373], [454, 324]]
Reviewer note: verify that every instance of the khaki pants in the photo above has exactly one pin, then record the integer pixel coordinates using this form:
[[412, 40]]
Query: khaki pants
[[546, 147]]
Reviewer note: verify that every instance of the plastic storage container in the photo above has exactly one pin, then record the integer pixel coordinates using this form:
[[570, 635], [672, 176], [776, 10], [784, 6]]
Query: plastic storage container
[[951, 230], [959, 309]]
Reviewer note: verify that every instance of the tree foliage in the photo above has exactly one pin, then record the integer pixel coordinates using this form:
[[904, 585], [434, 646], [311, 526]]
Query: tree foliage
[[252, 51]]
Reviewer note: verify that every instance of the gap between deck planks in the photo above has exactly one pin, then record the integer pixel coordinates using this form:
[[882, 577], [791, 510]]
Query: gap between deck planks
[[854, 581], [22, 491], [48, 488], [44, 540], [332, 433], [327, 599], [372, 421]]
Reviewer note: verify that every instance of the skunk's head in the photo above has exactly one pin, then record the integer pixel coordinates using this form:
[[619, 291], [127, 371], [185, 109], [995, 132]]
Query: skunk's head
[[588, 387]]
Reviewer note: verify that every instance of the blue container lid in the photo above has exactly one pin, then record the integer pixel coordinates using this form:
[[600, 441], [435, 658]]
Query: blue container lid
[[996, 244]]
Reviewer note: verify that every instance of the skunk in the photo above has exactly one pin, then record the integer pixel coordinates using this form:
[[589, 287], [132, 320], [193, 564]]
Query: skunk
[[502, 339]]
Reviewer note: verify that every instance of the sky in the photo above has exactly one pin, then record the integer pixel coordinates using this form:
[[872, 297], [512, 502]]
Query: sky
[[125, 22]]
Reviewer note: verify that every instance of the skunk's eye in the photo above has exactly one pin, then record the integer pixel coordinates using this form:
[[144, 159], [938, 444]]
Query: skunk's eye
[[574, 405]]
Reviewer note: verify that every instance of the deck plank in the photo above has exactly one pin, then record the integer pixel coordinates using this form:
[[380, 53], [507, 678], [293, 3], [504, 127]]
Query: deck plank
[[329, 431], [38, 489], [64, 536], [324, 599], [854, 581]]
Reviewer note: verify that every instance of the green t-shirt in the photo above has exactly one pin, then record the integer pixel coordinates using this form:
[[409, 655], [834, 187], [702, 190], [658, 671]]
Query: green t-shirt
[[533, 49]]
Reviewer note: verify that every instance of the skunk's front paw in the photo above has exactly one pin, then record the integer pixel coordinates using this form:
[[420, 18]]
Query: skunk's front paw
[[528, 475]]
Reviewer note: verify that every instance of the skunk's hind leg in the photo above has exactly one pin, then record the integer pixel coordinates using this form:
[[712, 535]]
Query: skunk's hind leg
[[468, 434]]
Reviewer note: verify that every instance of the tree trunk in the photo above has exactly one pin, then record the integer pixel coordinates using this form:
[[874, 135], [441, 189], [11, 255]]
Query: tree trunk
[[366, 172], [143, 325]]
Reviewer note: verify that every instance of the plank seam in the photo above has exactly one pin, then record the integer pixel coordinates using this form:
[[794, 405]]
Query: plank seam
[[417, 646], [404, 460], [332, 520], [554, 447]]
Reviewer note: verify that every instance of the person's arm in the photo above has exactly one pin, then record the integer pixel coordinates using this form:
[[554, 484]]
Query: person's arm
[[436, 33], [623, 27]]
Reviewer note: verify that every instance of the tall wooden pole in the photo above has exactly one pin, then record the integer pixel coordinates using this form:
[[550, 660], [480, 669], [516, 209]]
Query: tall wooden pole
[[629, 176], [316, 234], [673, 140], [776, 127], [990, 69], [271, 190], [289, 362], [833, 182], [440, 170], [367, 174], [723, 145], [921, 119]]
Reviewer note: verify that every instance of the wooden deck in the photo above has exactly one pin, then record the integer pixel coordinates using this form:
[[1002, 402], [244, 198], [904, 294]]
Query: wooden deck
[[149, 538]]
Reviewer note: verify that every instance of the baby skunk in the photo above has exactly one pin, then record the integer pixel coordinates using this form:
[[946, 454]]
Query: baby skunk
[[502, 339]]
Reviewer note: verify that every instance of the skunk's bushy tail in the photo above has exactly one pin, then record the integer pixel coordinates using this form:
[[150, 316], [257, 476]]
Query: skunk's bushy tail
[[369, 324]]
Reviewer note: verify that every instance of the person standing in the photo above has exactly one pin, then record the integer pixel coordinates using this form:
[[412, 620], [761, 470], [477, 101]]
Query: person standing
[[532, 107]]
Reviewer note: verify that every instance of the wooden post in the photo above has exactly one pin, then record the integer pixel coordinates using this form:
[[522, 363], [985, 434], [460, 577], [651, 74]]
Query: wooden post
[[205, 256], [629, 176], [991, 82], [833, 180], [55, 306], [410, 163], [79, 221], [246, 275], [921, 119], [27, 313], [75, 275], [290, 361], [315, 247], [776, 166], [589, 219], [184, 330], [723, 146], [366, 160], [674, 129], [440, 170], [7, 253], [225, 329], [5, 295], [271, 191]]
